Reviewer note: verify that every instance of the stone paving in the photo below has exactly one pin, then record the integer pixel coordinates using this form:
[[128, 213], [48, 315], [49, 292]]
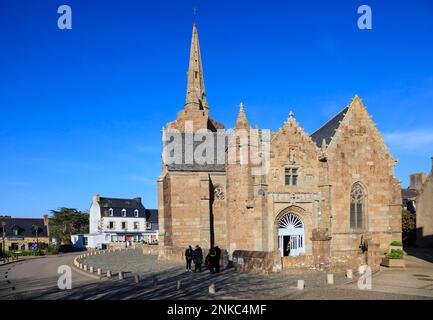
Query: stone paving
[[229, 283], [38, 279]]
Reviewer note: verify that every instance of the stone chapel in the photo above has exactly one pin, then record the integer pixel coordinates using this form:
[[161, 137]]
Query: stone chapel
[[326, 196]]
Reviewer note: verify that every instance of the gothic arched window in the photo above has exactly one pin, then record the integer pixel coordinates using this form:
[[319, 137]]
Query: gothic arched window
[[357, 206]]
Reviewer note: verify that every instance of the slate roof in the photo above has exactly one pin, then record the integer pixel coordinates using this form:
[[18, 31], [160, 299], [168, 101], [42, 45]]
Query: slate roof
[[152, 216], [24, 226], [117, 204], [192, 145], [408, 194], [327, 131]]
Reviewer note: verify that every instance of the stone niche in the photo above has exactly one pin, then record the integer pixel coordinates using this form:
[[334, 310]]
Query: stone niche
[[260, 262], [321, 243]]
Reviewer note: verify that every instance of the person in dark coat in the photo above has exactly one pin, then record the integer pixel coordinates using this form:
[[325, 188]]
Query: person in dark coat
[[210, 260], [197, 257], [188, 257], [217, 259]]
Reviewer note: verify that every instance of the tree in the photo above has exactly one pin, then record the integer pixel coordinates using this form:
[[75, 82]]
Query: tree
[[67, 221], [408, 225]]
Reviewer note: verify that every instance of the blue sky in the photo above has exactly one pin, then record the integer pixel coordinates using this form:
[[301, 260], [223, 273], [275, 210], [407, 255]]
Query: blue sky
[[82, 109]]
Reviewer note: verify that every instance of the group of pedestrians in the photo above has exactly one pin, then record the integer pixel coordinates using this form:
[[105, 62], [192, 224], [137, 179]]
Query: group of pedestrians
[[212, 260]]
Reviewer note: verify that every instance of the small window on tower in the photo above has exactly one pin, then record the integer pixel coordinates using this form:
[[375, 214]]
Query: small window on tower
[[196, 74], [291, 176]]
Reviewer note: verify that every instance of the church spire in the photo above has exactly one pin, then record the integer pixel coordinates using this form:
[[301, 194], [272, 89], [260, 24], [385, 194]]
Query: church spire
[[242, 121], [195, 92]]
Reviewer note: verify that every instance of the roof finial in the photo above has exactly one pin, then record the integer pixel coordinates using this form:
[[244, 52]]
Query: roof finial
[[242, 121], [194, 12], [291, 115]]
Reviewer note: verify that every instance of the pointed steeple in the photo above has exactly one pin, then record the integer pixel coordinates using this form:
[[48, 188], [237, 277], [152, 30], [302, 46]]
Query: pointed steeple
[[242, 121], [195, 92]]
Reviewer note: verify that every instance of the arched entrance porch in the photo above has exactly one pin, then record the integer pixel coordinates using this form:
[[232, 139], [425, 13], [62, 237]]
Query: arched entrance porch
[[291, 235]]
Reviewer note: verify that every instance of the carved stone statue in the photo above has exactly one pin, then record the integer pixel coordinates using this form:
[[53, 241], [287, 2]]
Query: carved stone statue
[[292, 155]]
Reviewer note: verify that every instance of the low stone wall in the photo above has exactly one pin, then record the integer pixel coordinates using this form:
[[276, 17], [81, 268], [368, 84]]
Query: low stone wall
[[271, 262], [150, 249], [121, 245], [257, 261], [171, 253]]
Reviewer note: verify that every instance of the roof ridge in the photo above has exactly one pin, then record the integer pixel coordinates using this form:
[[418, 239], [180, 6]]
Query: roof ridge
[[119, 198]]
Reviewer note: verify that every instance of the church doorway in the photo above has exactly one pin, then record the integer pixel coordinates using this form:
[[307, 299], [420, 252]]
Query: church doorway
[[291, 235]]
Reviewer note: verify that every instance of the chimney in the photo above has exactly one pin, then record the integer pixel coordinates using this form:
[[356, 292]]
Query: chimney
[[417, 180], [46, 224], [138, 199], [96, 197]]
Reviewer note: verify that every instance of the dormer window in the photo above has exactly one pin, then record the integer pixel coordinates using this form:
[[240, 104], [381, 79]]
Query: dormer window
[[123, 212], [136, 213], [110, 212], [15, 231]]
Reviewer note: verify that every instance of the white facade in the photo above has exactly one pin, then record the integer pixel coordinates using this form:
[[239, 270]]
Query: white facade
[[121, 226], [96, 240]]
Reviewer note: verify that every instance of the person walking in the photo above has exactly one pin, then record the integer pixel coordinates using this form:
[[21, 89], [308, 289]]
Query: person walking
[[217, 259], [210, 260], [197, 257], [188, 257]]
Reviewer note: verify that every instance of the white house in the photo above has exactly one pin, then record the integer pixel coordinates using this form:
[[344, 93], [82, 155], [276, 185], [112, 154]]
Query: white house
[[123, 219], [113, 220]]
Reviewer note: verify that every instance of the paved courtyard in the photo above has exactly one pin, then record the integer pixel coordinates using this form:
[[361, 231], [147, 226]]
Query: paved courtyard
[[229, 283], [37, 279]]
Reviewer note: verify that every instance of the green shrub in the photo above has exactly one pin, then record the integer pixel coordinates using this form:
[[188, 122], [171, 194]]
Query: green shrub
[[395, 254], [52, 249], [396, 243]]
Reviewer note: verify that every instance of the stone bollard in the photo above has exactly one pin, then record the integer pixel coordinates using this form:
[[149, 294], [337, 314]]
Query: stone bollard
[[120, 275], [362, 269], [91, 269], [349, 274], [301, 284], [136, 278], [330, 278], [212, 289], [179, 284], [85, 267], [108, 274], [81, 266], [99, 271]]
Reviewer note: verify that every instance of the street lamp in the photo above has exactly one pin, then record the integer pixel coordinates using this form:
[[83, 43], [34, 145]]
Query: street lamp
[[3, 247], [35, 227]]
